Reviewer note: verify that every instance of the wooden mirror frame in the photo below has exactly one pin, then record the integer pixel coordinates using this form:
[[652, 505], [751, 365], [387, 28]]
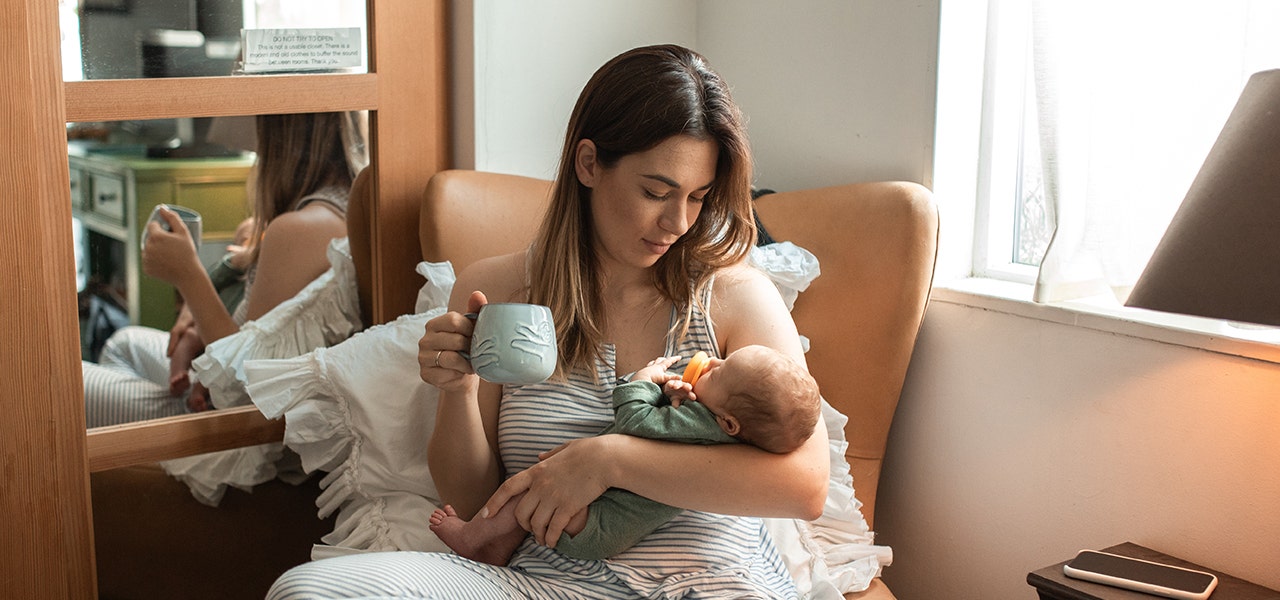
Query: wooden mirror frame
[[45, 454]]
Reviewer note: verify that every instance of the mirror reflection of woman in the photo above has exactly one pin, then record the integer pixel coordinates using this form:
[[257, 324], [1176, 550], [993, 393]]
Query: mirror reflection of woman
[[302, 177]]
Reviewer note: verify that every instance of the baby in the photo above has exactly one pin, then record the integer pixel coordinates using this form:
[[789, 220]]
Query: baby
[[757, 395]]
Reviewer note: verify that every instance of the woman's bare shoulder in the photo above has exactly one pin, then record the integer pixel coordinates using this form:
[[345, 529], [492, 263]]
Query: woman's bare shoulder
[[291, 254], [734, 281], [310, 221], [747, 308]]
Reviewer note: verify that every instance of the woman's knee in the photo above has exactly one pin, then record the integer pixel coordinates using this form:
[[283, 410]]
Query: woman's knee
[[338, 578], [301, 582], [121, 347]]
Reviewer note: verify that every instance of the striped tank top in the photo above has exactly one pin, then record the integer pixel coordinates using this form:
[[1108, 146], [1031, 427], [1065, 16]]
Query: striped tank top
[[695, 555]]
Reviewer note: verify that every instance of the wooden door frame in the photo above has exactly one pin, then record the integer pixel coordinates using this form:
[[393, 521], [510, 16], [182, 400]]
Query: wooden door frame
[[47, 547]]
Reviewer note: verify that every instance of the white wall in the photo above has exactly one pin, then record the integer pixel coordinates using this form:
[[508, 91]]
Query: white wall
[[529, 60], [1017, 442], [834, 91], [831, 94]]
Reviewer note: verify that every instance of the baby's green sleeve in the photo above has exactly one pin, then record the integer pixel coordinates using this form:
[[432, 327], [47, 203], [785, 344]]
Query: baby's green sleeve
[[641, 410]]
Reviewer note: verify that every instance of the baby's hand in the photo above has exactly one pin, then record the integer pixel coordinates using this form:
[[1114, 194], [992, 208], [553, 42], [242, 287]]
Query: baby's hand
[[238, 257], [677, 391], [656, 370]]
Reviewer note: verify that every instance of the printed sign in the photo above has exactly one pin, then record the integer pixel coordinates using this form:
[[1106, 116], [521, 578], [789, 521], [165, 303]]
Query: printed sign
[[288, 50]]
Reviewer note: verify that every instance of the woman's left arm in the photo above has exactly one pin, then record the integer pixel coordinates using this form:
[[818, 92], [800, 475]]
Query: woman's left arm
[[735, 478]]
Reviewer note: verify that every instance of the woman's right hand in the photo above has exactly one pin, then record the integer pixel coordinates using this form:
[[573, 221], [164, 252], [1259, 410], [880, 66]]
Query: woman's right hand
[[564, 481], [439, 360], [170, 255]]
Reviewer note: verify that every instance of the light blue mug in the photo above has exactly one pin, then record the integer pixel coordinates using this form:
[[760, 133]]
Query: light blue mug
[[189, 217], [513, 343]]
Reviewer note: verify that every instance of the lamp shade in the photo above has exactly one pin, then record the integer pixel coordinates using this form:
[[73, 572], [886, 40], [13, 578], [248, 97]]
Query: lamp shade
[[1220, 257]]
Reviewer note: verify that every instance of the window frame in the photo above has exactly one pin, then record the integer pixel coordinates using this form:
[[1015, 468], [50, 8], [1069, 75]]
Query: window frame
[[1000, 155], [968, 275]]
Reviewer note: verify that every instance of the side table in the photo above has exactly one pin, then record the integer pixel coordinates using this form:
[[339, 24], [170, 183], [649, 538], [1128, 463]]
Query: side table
[[1052, 584]]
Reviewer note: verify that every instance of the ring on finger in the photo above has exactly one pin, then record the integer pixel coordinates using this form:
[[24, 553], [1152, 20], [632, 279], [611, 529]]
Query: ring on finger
[[438, 357]]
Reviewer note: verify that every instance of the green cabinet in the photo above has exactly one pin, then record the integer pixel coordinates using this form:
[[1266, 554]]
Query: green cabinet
[[113, 191]]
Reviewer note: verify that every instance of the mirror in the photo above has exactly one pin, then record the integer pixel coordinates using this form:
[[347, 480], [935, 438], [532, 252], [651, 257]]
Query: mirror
[[44, 433], [130, 39], [120, 171]]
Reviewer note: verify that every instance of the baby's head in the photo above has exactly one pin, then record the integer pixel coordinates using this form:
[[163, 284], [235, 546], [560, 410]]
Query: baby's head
[[761, 397], [244, 232]]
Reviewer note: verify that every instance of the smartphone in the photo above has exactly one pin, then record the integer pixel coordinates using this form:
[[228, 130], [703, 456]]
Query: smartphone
[[1141, 575]]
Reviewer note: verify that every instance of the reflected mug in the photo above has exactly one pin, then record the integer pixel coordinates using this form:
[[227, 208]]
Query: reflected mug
[[189, 217], [513, 343]]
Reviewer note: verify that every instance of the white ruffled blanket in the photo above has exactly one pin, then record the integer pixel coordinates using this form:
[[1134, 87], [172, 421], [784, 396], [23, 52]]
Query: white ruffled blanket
[[323, 313], [360, 411], [836, 553]]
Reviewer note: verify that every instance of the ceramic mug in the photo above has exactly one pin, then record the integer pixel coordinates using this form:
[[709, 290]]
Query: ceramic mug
[[189, 217], [513, 343]]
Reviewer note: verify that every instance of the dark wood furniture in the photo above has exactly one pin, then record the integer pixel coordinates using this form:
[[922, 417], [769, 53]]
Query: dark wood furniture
[[1052, 584]]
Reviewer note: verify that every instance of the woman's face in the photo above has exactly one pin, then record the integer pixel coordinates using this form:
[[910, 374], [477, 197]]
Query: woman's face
[[646, 201]]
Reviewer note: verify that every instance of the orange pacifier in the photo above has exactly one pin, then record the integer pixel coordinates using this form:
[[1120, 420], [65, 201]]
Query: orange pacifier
[[696, 366]]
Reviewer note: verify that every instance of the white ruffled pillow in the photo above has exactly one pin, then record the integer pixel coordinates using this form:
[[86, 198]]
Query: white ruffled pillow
[[361, 412], [790, 268], [323, 313]]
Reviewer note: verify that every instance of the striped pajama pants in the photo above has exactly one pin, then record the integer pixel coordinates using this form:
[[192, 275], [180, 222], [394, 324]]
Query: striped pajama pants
[[130, 381], [539, 574]]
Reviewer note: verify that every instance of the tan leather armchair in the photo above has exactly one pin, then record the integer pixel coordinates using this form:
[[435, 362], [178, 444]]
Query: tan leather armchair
[[876, 244]]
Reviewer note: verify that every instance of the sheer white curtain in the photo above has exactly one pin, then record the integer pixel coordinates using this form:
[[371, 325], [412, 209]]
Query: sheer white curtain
[[1130, 96]]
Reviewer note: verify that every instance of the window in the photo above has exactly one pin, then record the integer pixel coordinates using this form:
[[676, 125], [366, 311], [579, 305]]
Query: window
[[1136, 93], [1095, 118]]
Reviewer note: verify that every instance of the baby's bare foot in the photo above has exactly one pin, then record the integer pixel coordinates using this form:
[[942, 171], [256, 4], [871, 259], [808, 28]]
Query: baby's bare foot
[[198, 399], [439, 515], [491, 541]]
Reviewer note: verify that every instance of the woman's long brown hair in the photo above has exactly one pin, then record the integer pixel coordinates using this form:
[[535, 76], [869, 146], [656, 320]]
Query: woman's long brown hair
[[631, 104], [298, 155]]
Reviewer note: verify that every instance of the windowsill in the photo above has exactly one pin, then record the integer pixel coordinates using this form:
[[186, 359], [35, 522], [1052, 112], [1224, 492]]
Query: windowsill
[[1212, 335]]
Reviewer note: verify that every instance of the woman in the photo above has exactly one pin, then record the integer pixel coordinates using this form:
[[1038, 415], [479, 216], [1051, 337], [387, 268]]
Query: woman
[[302, 175], [641, 254]]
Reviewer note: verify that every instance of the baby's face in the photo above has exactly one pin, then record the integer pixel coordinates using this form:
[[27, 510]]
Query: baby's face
[[710, 388], [713, 386], [741, 367]]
